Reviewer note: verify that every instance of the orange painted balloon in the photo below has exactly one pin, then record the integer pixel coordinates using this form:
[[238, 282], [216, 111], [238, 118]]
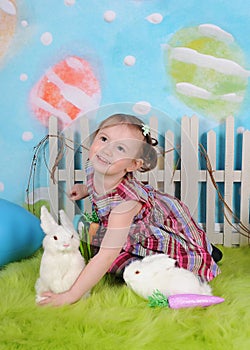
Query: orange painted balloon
[[67, 90]]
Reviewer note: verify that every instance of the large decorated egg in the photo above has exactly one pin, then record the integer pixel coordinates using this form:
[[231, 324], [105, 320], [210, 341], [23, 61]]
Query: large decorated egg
[[67, 90], [8, 21], [206, 67], [20, 233]]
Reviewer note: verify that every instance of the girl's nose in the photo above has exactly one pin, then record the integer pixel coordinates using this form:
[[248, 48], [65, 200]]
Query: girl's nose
[[107, 150]]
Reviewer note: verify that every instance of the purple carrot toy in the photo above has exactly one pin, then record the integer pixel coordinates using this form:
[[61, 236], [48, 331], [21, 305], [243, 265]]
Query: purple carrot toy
[[179, 301]]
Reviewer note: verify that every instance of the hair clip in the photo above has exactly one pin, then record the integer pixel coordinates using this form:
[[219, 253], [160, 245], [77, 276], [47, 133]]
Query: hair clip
[[145, 129]]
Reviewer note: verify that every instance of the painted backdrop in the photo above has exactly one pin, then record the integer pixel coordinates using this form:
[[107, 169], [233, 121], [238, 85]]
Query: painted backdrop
[[67, 58]]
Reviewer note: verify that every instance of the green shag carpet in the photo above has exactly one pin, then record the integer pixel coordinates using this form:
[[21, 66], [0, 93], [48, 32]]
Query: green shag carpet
[[115, 318]]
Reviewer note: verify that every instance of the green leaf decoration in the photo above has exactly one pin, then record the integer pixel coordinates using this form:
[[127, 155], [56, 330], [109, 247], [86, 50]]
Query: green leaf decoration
[[91, 217], [85, 247], [158, 300]]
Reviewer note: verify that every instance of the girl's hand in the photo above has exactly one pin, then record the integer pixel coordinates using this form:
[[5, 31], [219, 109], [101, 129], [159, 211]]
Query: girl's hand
[[78, 191], [56, 299]]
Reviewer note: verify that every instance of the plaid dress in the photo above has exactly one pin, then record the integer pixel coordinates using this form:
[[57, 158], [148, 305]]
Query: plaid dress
[[163, 225]]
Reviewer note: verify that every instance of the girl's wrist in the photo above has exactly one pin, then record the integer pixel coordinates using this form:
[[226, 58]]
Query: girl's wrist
[[73, 296]]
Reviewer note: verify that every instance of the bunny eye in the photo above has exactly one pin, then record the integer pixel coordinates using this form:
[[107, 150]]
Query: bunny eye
[[55, 238], [72, 236], [137, 272]]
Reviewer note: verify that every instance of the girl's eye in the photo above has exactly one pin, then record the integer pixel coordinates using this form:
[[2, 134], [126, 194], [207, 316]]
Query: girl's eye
[[55, 238], [120, 149], [103, 138]]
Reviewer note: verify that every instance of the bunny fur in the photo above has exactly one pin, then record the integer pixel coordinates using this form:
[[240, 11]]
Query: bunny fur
[[62, 261], [159, 272]]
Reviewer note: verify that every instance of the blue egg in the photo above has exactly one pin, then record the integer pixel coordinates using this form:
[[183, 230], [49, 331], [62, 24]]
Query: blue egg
[[20, 233]]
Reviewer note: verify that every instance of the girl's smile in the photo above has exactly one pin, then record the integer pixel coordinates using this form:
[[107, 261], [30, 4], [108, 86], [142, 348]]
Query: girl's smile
[[103, 160]]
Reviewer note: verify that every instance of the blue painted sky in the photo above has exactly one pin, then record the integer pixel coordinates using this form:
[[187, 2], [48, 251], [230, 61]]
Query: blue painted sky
[[80, 29]]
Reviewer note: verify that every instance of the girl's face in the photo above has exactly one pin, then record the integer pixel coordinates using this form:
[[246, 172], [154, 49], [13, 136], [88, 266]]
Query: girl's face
[[115, 148]]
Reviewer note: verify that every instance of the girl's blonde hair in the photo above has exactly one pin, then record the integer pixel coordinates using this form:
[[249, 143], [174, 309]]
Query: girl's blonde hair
[[147, 153]]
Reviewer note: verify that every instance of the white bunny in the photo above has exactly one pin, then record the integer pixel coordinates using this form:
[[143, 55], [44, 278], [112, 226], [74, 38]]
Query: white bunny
[[62, 261], [160, 272]]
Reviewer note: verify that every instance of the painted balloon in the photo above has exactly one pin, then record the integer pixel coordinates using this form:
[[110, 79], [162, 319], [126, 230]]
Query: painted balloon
[[206, 67], [8, 21], [67, 90]]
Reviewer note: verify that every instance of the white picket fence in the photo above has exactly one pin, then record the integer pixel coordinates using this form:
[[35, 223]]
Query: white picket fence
[[188, 176]]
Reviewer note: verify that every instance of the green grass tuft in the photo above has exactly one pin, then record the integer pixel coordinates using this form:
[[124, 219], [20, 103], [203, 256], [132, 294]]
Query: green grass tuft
[[115, 318]]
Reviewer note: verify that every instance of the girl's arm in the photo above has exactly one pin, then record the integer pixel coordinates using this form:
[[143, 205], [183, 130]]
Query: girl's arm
[[78, 191], [119, 223]]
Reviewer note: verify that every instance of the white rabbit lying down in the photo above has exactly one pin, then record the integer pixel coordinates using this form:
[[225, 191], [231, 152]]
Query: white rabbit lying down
[[62, 261], [159, 272]]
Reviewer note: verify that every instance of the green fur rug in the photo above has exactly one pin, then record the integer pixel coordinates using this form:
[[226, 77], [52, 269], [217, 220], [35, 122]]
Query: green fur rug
[[115, 318]]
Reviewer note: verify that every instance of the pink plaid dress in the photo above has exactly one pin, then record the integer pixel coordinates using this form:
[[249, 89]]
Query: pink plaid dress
[[163, 225]]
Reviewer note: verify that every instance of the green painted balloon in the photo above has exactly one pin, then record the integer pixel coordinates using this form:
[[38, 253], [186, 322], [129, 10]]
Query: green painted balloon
[[205, 65]]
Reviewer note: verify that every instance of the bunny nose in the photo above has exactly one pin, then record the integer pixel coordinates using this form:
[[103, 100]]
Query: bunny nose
[[66, 245]]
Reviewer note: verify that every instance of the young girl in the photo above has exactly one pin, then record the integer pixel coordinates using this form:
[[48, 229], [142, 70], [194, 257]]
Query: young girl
[[135, 219]]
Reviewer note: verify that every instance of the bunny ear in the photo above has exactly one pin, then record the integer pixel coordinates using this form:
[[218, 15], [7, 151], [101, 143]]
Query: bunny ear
[[48, 224], [65, 221]]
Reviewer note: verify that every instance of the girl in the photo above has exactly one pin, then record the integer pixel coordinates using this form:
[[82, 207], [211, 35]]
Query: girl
[[135, 219]]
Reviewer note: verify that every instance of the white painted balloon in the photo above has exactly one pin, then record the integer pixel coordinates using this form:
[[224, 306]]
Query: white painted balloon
[[240, 130], [69, 2], [46, 38], [1, 187], [142, 107], [23, 77], [129, 60], [109, 16], [24, 23], [27, 136], [155, 18]]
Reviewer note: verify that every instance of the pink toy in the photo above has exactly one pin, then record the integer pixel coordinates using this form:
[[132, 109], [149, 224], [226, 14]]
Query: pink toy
[[179, 301]]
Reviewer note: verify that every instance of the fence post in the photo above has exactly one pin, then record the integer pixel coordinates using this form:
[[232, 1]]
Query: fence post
[[53, 151], [228, 179], [189, 164], [210, 190], [169, 186], [85, 133], [152, 175], [69, 171], [245, 184]]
